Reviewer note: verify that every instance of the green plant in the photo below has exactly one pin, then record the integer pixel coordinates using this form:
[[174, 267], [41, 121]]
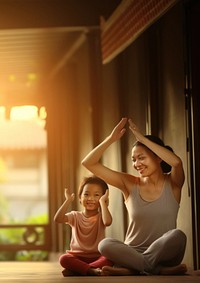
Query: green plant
[[14, 235]]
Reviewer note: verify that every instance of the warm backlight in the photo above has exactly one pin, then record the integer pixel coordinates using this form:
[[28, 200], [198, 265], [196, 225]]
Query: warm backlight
[[24, 113]]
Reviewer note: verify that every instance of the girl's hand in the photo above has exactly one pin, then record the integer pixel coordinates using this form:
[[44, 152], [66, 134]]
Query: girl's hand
[[104, 198], [119, 130], [69, 196]]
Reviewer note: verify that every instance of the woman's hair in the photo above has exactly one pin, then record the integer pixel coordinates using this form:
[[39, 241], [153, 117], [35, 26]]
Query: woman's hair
[[166, 168], [92, 180]]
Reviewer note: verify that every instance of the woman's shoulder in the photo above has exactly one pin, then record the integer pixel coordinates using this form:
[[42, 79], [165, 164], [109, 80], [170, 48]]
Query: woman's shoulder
[[131, 182], [130, 177], [133, 179]]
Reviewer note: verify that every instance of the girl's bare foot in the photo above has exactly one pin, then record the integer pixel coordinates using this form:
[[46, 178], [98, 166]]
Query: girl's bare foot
[[94, 272], [67, 272], [174, 270], [117, 271]]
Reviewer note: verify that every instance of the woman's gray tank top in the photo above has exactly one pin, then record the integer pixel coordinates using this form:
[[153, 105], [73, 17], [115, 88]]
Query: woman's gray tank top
[[150, 220]]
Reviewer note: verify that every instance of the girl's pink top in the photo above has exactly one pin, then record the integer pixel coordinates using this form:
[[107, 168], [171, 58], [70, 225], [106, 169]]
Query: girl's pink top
[[87, 232]]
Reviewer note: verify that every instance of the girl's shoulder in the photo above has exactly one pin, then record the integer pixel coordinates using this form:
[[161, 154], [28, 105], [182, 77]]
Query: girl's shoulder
[[74, 214]]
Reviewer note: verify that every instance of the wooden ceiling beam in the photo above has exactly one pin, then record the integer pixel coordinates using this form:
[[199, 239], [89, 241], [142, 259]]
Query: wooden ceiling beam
[[53, 13]]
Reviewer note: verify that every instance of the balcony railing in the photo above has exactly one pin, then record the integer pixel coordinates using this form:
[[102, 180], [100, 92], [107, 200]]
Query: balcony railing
[[26, 237]]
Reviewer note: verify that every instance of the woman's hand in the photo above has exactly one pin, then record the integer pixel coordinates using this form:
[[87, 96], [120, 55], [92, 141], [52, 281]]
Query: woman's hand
[[119, 130], [138, 135]]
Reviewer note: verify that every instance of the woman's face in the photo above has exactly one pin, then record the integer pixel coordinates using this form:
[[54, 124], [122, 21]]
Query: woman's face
[[145, 161]]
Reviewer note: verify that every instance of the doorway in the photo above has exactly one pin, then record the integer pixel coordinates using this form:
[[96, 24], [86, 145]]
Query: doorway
[[23, 183], [192, 94]]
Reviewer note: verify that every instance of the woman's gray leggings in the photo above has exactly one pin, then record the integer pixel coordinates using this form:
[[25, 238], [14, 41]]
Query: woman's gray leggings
[[167, 250]]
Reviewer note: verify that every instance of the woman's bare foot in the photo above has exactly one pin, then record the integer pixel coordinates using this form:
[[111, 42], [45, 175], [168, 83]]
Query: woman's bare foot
[[174, 270], [94, 272], [117, 271], [195, 272]]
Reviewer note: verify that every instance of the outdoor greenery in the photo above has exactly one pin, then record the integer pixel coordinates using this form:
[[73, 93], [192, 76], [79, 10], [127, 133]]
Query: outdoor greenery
[[15, 236]]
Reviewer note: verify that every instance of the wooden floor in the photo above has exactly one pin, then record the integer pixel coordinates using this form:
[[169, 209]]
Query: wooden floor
[[51, 272]]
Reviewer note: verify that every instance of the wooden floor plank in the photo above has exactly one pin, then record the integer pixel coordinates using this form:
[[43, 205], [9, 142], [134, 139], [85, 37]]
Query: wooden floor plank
[[51, 272]]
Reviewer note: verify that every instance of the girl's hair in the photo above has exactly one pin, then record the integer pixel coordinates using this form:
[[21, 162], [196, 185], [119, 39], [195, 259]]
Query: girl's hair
[[166, 168], [92, 180]]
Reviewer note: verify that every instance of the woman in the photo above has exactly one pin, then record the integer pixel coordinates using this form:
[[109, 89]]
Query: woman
[[152, 244]]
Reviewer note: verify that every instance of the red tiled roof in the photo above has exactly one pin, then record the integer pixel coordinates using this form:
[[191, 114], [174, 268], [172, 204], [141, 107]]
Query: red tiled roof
[[21, 135]]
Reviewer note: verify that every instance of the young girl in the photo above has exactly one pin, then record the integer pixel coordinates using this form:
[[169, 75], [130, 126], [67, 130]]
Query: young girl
[[88, 228], [152, 244]]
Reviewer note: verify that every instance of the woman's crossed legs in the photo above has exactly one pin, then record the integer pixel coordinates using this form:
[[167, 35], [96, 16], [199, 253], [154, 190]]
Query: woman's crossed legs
[[163, 256]]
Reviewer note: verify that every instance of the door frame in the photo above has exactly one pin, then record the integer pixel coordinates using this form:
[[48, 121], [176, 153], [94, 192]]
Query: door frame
[[192, 100]]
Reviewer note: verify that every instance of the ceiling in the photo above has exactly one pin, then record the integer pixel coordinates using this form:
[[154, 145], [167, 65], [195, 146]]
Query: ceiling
[[35, 35], [29, 55]]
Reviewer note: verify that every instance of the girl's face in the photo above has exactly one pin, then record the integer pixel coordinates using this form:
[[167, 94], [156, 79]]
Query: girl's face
[[90, 196], [145, 161]]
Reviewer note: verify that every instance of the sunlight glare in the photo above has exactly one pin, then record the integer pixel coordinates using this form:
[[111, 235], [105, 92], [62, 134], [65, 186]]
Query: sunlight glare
[[27, 112], [2, 112], [43, 113]]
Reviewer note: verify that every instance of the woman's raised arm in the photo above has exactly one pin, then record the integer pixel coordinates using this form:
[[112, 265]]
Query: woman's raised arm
[[93, 164]]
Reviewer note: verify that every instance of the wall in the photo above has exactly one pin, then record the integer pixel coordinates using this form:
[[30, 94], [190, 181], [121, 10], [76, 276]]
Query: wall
[[173, 124]]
